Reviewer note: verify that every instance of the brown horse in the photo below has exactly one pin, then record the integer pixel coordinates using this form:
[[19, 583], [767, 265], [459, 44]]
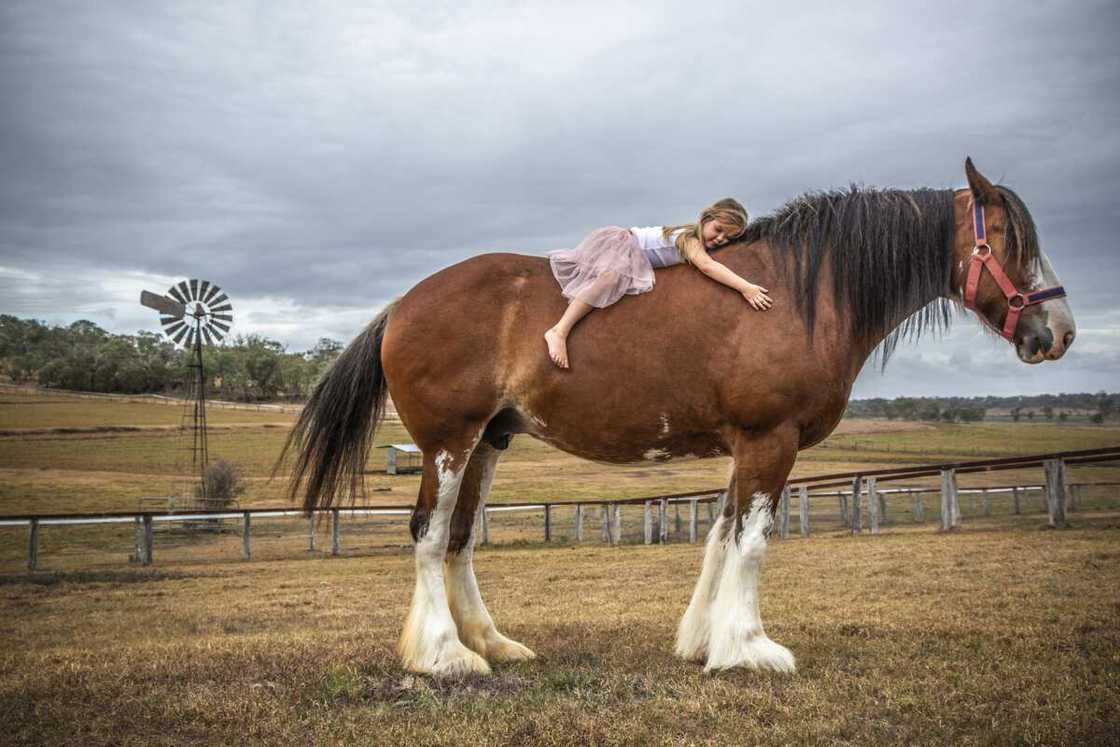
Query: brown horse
[[685, 370]]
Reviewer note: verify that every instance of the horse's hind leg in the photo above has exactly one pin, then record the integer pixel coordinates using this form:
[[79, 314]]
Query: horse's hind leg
[[430, 642], [735, 636], [476, 627]]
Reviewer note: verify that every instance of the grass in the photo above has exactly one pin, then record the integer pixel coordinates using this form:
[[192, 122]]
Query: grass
[[998, 634]]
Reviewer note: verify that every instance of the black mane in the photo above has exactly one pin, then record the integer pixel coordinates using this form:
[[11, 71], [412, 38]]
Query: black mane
[[891, 252]]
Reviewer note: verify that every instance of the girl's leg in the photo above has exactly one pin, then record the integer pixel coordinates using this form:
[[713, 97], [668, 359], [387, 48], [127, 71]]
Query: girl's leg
[[557, 337]]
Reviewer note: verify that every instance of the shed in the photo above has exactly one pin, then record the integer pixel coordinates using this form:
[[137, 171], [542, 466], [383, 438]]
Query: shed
[[402, 458]]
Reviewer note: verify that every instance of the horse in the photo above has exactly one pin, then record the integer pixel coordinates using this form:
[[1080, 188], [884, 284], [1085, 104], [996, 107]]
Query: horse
[[683, 371]]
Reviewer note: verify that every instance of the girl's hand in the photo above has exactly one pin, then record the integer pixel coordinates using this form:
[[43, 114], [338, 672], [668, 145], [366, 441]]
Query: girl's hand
[[756, 297]]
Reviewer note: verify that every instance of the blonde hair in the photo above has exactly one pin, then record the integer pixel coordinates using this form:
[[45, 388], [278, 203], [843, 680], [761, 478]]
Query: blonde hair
[[689, 241]]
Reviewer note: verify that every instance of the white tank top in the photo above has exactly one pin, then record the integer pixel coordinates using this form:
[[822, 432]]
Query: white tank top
[[661, 251]]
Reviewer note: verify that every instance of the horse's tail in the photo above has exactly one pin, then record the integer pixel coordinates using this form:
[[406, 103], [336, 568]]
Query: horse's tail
[[332, 436]]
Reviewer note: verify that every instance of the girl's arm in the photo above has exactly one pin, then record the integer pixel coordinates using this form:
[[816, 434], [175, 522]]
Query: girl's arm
[[755, 294]]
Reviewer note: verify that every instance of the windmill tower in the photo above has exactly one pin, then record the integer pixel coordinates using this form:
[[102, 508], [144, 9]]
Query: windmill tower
[[191, 312]]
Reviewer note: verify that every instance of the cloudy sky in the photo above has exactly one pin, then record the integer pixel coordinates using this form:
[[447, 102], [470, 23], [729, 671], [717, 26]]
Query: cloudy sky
[[318, 159]]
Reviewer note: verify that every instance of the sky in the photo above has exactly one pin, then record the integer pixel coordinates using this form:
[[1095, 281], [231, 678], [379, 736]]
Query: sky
[[317, 160]]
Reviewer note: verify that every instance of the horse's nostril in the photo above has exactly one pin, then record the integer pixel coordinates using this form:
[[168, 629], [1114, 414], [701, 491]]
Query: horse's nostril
[[1046, 340], [1068, 339]]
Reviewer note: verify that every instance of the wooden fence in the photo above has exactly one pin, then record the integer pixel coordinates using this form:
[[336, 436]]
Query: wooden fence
[[1057, 494]]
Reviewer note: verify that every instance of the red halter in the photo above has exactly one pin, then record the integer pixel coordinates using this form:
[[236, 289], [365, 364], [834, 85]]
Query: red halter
[[1016, 301]]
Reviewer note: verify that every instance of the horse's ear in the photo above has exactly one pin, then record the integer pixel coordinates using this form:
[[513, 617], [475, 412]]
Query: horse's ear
[[982, 189]]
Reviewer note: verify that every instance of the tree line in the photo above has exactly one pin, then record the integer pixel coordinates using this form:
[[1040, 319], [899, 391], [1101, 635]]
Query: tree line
[[83, 357], [1063, 407]]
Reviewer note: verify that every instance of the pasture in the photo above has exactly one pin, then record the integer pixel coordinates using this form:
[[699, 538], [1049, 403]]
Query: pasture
[[1000, 633]]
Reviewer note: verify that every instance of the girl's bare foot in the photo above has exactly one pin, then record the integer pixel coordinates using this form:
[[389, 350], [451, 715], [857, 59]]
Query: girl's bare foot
[[557, 348]]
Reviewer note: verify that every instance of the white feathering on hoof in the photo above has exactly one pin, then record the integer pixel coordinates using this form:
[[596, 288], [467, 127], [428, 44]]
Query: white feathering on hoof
[[736, 637], [476, 627], [695, 626], [429, 642]]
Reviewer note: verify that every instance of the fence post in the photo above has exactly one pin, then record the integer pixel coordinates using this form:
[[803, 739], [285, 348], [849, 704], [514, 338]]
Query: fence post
[[950, 507], [712, 512], [33, 546], [246, 547], [484, 523], [986, 501], [693, 520], [803, 509], [1015, 506], [607, 524], [783, 507], [647, 522], [149, 540], [579, 522], [882, 507], [919, 506], [857, 514], [1056, 491], [617, 524], [548, 522], [311, 533], [336, 532], [872, 506], [663, 521], [843, 506]]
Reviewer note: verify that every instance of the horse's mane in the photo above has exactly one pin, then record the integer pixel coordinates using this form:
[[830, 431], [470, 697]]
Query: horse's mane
[[890, 250]]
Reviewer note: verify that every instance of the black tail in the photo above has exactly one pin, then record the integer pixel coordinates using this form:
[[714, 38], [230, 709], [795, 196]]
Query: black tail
[[333, 433]]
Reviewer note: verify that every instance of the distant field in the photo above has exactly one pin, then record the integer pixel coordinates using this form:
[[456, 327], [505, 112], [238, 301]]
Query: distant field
[[105, 471]]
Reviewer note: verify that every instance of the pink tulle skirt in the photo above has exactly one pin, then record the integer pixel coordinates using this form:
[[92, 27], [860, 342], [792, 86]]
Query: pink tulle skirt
[[606, 266]]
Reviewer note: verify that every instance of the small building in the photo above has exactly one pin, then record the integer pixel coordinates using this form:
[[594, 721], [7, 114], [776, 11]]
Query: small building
[[402, 459]]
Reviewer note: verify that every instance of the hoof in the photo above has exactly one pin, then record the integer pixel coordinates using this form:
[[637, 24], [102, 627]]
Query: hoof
[[506, 650], [758, 653], [454, 660]]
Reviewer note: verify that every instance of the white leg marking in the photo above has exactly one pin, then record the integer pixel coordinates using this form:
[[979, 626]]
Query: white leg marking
[[695, 627], [737, 638], [476, 628], [430, 642]]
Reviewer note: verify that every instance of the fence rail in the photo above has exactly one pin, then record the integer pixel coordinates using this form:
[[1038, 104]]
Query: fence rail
[[1059, 497]]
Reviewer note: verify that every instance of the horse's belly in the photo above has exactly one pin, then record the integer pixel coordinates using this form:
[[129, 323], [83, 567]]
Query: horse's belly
[[621, 447]]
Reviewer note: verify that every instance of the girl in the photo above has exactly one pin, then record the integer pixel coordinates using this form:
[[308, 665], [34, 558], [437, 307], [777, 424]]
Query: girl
[[612, 262]]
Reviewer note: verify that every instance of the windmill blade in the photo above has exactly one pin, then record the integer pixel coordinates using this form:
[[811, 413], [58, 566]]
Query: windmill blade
[[173, 291], [185, 291], [194, 289], [174, 327], [206, 334], [219, 300], [223, 307], [214, 290], [203, 288], [219, 325], [217, 335], [180, 334], [162, 304], [223, 317]]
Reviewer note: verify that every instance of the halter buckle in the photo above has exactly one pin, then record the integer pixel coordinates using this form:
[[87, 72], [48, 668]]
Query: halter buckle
[[1017, 301], [982, 250]]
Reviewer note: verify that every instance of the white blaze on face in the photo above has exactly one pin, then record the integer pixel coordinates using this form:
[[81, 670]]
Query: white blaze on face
[[1059, 317]]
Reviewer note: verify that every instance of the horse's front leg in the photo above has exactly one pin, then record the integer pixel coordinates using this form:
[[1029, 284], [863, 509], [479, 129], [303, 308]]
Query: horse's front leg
[[722, 625]]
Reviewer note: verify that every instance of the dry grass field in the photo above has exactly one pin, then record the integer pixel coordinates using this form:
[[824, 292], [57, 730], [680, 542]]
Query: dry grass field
[[1001, 633]]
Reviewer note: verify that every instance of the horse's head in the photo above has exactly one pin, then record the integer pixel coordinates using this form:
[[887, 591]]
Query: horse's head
[[1001, 273]]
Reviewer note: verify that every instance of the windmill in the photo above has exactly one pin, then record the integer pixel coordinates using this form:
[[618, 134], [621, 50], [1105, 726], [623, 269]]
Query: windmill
[[190, 312]]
